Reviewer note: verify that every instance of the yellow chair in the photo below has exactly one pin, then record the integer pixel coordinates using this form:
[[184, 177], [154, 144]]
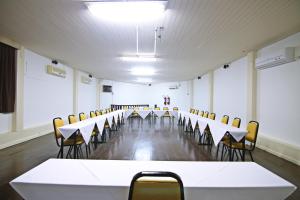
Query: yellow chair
[[82, 116], [72, 119], [156, 185], [146, 108], [92, 114], [206, 114], [236, 122], [175, 108], [225, 119], [157, 108], [201, 113], [212, 116], [250, 138], [196, 112], [73, 142], [97, 113]]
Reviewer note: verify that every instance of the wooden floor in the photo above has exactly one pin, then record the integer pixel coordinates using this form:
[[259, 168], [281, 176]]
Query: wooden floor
[[136, 140]]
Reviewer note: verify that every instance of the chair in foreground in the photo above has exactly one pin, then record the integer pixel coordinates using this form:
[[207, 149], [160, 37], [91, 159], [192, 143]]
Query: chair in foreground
[[241, 147], [156, 185]]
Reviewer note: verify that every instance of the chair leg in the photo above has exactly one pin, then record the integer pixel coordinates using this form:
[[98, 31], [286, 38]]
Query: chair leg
[[58, 155], [69, 152], [86, 151], [222, 152], [218, 146], [251, 156]]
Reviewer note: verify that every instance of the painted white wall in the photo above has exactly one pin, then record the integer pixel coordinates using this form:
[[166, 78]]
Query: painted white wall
[[106, 98], [128, 93], [230, 91], [45, 96], [278, 96], [86, 94], [6, 122], [201, 93]]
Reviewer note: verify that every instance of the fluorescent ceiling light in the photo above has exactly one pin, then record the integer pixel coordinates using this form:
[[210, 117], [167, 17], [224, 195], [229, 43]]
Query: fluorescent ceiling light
[[142, 71], [144, 80], [127, 11], [139, 58]]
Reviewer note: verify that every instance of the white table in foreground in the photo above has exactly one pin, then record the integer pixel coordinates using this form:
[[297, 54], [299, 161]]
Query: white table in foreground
[[110, 180]]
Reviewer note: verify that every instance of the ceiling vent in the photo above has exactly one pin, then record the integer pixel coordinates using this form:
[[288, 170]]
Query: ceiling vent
[[283, 56]]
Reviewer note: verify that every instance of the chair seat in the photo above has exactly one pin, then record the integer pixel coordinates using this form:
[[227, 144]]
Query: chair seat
[[70, 142], [235, 145]]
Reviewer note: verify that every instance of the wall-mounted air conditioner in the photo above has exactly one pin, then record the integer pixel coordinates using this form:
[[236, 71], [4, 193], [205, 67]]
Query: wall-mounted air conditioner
[[173, 87], [56, 71], [283, 56], [86, 80]]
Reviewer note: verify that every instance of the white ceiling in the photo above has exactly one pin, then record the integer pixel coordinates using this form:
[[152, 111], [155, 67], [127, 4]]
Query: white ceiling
[[199, 35]]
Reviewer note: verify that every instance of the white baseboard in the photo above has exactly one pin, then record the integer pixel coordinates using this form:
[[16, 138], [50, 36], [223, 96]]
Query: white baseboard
[[279, 148], [13, 138]]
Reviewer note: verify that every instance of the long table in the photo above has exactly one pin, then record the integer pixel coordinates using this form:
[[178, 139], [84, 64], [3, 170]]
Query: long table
[[110, 180], [217, 129], [144, 113], [86, 127]]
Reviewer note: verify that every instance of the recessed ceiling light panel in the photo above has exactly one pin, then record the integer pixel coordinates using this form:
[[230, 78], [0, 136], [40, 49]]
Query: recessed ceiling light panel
[[127, 11]]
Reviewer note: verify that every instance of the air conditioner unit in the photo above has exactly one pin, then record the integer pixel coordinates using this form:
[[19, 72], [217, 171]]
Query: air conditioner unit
[[56, 71], [173, 87], [283, 56], [86, 80]]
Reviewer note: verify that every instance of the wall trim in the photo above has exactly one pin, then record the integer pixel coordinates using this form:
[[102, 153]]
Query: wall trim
[[279, 148], [13, 138]]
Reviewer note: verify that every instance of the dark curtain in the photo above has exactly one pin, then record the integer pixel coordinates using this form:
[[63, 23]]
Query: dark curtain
[[7, 78]]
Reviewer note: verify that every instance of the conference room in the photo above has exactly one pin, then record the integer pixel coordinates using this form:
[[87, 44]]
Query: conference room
[[149, 99]]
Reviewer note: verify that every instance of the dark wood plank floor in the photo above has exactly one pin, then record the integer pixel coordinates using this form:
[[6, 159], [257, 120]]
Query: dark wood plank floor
[[136, 140]]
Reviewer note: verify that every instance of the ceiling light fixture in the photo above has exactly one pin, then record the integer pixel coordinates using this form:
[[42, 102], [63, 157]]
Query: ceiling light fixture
[[142, 71], [127, 11], [139, 58]]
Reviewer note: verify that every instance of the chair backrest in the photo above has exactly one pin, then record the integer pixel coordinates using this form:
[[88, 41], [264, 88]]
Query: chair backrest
[[175, 108], [236, 122], [201, 113], [92, 114], [196, 112], [97, 112], [206, 114], [57, 122], [72, 119], [225, 119], [146, 108], [165, 108], [156, 185], [157, 108], [212, 116], [82, 116], [252, 129]]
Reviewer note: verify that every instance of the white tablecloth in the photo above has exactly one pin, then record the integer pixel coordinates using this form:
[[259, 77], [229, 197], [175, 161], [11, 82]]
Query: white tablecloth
[[86, 127], [217, 129], [110, 180]]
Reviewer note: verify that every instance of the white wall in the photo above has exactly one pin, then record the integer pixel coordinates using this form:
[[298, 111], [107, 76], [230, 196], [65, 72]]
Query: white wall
[[45, 96], [86, 94], [230, 91], [128, 93], [6, 122], [106, 98], [201, 93], [278, 96]]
